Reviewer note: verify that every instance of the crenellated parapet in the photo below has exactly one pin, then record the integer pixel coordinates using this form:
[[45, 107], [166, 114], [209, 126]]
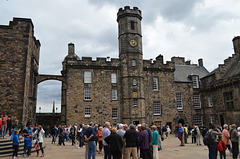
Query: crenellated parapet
[[158, 64], [126, 11]]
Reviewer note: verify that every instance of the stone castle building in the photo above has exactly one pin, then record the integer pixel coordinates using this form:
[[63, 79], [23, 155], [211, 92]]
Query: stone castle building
[[19, 52], [128, 89]]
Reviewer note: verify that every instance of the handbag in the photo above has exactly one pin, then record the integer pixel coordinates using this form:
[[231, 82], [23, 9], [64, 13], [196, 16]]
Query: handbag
[[180, 136]]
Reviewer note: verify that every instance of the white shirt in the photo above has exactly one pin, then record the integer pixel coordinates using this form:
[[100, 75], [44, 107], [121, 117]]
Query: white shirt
[[40, 134]]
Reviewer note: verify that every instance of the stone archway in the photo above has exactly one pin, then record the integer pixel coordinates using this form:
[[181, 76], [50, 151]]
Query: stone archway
[[42, 77], [181, 121]]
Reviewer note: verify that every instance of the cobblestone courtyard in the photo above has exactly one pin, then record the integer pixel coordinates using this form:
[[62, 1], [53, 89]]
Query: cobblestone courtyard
[[171, 150]]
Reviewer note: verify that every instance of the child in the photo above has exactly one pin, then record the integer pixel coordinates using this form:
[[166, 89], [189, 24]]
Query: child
[[221, 147], [62, 138], [28, 141], [15, 144]]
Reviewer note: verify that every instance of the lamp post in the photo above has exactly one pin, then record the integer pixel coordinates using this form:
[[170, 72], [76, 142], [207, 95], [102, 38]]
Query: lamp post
[[40, 109], [56, 109]]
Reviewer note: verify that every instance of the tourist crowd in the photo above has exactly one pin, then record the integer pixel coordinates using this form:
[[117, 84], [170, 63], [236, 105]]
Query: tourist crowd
[[120, 141]]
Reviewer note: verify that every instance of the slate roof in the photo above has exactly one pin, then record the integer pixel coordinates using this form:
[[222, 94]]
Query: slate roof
[[182, 72], [235, 70]]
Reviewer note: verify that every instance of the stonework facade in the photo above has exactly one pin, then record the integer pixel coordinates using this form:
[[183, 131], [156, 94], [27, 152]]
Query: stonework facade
[[19, 51], [221, 90], [128, 89]]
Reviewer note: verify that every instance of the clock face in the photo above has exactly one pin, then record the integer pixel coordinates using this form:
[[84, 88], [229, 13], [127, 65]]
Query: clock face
[[133, 43]]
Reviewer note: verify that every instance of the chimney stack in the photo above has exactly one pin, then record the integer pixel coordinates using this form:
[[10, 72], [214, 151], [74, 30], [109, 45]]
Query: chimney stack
[[200, 62], [236, 44], [71, 50]]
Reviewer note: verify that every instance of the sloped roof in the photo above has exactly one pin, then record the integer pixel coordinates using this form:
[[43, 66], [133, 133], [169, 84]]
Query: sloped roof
[[234, 70], [182, 72]]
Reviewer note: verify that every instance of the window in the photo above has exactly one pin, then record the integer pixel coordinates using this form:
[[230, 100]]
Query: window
[[155, 83], [134, 82], [87, 111], [114, 94], [210, 104], [228, 100], [132, 25], [157, 108], [135, 102], [113, 78], [114, 113], [198, 120], [158, 122], [211, 119], [195, 81], [179, 101], [87, 77], [87, 93], [133, 63], [196, 101]]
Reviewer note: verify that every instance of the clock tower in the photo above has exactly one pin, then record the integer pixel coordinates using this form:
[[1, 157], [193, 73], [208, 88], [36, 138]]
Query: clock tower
[[130, 55]]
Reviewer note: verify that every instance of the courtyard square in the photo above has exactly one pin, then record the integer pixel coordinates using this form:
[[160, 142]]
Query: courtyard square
[[171, 150]]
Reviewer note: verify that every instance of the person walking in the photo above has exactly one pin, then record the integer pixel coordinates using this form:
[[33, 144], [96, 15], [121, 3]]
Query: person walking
[[100, 140], [155, 142], [121, 132], [40, 133], [115, 143], [221, 147], [198, 135], [130, 139], [4, 125], [106, 132], [181, 134], [73, 134], [80, 133], [185, 134], [226, 137], [144, 143], [168, 131], [91, 138], [15, 144], [234, 140], [213, 148]]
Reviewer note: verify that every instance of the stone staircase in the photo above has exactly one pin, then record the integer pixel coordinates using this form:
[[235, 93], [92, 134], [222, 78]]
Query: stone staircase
[[6, 147]]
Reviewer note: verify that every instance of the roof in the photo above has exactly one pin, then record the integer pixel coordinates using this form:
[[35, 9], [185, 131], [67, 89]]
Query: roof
[[182, 72], [235, 70]]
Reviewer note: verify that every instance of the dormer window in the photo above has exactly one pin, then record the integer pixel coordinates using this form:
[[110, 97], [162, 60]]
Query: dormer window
[[195, 81]]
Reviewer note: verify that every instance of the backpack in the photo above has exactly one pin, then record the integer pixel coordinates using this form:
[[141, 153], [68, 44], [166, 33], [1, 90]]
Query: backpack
[[195, 131], [207, 139]]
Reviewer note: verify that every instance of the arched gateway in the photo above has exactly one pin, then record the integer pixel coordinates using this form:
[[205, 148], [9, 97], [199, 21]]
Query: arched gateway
[[60, 118], [41, 78]]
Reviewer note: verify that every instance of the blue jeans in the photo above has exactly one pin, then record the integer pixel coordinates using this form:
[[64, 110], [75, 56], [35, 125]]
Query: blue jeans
[[222, 154], [213, 150], [91, 149], [80, 142], [4, 130]]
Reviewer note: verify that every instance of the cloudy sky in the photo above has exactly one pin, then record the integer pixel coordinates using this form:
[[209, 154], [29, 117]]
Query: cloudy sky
[[189, 28]]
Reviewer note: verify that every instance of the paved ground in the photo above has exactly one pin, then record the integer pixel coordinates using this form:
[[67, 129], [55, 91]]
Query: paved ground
[[171, 150]]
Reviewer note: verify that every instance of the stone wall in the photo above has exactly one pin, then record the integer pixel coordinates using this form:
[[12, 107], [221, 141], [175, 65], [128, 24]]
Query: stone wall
[[18, 49]]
